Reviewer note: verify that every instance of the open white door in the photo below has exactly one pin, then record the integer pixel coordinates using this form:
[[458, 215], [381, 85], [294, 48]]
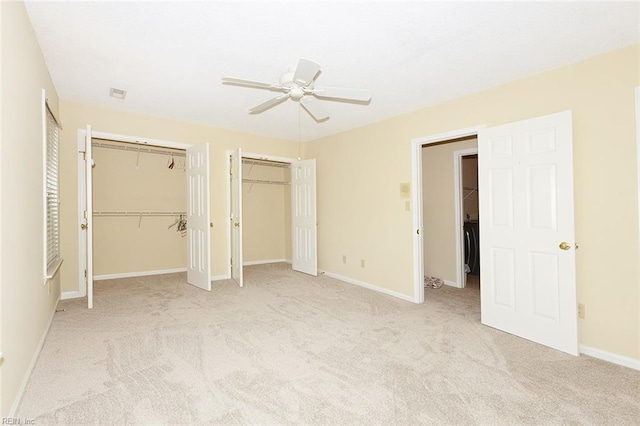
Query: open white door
[[236, 217], [198, 207], [304, 233], [88, 214], [527, 257]]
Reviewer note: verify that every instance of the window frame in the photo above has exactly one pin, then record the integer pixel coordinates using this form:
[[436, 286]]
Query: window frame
[[52, 259]]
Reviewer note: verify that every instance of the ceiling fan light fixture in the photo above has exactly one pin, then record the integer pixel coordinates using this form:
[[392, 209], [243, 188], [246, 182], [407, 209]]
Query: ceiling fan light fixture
[[296, 93]]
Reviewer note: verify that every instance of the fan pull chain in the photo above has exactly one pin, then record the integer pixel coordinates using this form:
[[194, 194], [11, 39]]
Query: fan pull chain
[[299, 142]]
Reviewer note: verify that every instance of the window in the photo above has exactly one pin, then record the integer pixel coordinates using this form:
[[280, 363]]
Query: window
[[52, 259]]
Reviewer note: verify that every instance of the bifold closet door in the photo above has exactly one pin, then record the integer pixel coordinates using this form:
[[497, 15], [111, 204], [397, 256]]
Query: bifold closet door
[[236, 218], [88, 214], [304, 233], [198, 214]]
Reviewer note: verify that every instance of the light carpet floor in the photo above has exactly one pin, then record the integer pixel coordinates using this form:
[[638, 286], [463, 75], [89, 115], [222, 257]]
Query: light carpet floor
[[293, 349]]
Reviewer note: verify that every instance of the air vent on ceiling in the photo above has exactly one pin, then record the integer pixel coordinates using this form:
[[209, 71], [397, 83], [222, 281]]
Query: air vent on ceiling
[[117, 93]]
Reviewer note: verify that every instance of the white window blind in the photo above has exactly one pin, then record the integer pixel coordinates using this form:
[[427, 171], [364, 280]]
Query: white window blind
[[51, 196]]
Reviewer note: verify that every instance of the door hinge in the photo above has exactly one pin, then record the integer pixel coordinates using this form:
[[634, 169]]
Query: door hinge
[[85, 214], [84, 156], [231, 260], [85, 273]]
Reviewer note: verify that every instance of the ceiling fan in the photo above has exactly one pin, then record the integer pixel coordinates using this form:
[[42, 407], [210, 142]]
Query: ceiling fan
[[298, 83]]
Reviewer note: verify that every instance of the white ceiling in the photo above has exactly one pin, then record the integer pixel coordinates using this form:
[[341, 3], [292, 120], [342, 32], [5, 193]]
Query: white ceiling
[[170, 56]]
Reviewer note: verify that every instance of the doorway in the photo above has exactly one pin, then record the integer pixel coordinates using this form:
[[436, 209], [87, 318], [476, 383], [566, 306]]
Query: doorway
[[266, 212], [295, 210], [139, 203], [449, 210], [525, 189], [471, 219], [195, 219]]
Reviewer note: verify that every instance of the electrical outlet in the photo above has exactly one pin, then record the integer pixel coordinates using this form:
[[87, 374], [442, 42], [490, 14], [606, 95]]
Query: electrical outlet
[[581, 310], [362, 263], [344, 258]]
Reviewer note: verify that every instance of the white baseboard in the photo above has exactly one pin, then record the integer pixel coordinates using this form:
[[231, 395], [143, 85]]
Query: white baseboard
[[370, 286], [227, 276], [32, 364], [610, 357], [220, 277], [71, 295], [266, 261], [137, 274], [451, 283], [77, 294]]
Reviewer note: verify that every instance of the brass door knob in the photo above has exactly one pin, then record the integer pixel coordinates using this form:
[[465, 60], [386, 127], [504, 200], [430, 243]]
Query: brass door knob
[[564, 245], [84, 226], [237, 224]]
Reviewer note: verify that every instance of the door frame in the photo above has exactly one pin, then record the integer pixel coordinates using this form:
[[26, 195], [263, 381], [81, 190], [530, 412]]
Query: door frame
[[82, 249], [416, 200], [638, 161], [252, 156], [458, 197]]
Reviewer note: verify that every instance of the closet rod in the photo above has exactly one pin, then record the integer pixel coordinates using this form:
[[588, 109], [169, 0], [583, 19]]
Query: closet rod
[[270, 182], [168, 151], [139, 213], [265, 163], [473, 191]]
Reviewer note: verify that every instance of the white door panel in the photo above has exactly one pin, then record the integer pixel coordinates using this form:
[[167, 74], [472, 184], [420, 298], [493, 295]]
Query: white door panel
[[236, 218], [526, 210], [303, 217], [88, 164], [198, 207]]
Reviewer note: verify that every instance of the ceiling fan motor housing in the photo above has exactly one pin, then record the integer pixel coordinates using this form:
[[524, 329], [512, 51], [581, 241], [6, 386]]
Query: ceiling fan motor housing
[[296, 92], [286, 80]]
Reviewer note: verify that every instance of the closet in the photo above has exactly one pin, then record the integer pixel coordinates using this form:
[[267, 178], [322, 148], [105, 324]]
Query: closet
[[139, 209], [266, 212]]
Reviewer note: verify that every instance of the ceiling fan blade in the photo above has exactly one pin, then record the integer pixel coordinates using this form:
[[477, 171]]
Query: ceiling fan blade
[[314, 108], [306, 72], [268, 104], [363, 95], [250, 83]]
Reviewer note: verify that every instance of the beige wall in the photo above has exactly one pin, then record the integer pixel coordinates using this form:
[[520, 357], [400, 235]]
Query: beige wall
[[76, 116], [27, 303], [266, 214], [439, 225], [361, 213], [122, 181]]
